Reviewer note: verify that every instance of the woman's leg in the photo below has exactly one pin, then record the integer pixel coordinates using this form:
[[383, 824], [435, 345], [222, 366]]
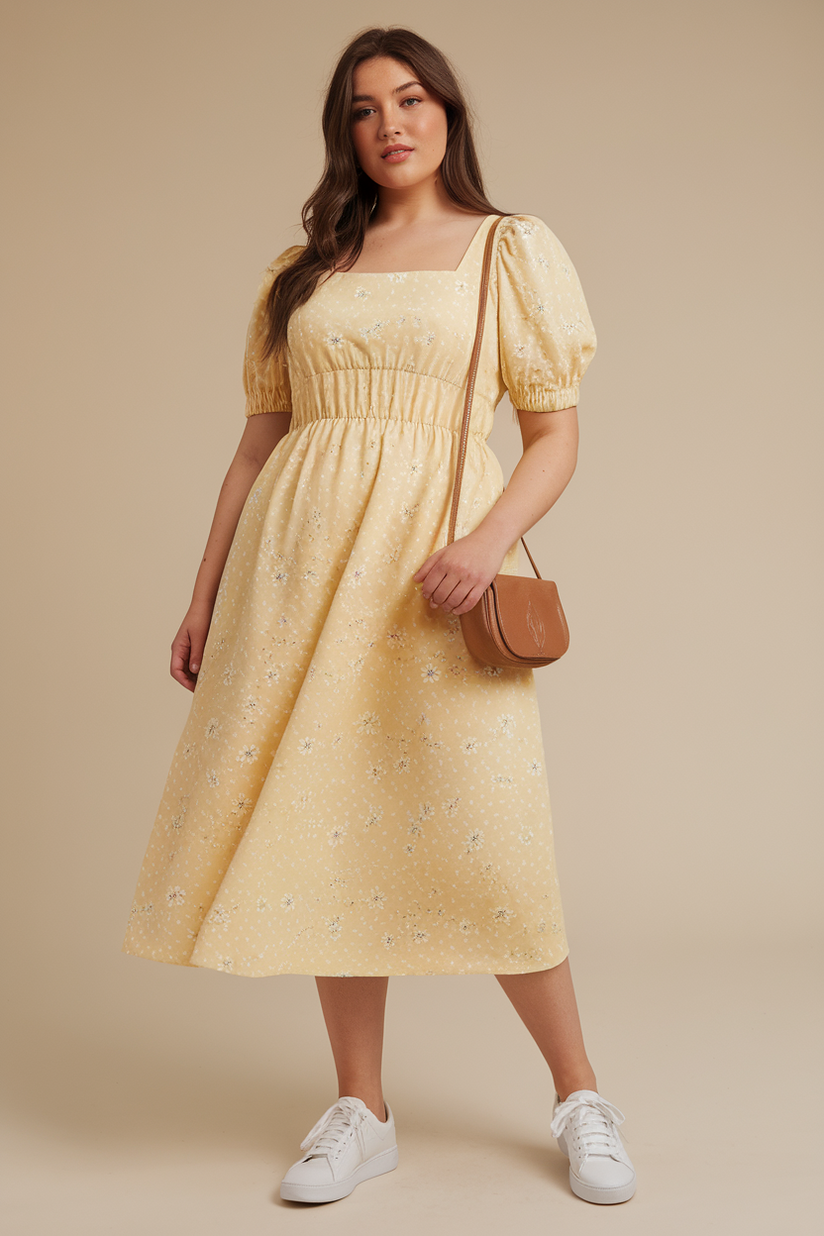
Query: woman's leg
[[545, 1002], [353, 1009]]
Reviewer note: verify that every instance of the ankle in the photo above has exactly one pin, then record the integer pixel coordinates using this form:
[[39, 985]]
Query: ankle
[[374, 1102], [565, 1086]]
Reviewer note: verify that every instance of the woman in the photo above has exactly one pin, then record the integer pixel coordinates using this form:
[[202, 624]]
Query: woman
[[354, 795]]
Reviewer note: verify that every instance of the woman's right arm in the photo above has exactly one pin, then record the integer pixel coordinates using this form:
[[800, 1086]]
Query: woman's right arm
[[261, 435]]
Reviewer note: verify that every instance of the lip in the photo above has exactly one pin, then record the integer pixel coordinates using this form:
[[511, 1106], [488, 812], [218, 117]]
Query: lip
[[396, 150]]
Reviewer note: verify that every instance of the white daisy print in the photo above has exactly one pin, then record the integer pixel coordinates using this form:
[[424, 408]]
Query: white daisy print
[[334, 706]]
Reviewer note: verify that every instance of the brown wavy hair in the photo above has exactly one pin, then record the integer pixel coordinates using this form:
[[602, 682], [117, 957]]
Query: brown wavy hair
[[337, 214]]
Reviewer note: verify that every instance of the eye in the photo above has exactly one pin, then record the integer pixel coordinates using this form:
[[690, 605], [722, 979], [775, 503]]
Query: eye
[[363, 110]]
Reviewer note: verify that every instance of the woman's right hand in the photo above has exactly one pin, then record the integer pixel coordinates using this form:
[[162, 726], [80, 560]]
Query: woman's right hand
[[188, 645]]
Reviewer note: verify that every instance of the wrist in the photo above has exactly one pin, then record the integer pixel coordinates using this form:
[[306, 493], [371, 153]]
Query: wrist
[[497, 533], [202, 603]]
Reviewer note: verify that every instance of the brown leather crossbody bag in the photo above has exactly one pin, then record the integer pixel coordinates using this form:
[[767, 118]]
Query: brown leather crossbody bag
[[518, 621]]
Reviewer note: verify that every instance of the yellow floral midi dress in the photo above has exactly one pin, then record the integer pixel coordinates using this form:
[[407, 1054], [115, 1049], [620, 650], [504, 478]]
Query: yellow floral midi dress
[[353, 793]]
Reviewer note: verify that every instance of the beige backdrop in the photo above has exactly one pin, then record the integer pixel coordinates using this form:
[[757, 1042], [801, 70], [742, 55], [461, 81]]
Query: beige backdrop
[[158, 154]]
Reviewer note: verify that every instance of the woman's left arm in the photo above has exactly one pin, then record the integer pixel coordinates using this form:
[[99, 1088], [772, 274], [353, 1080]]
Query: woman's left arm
[[456, 576]]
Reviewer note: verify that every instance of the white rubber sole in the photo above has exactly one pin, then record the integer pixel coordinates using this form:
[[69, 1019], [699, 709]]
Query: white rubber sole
[[386, 1161], [591, 1193]]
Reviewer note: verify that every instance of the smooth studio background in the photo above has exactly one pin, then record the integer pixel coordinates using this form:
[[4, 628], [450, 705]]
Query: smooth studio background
[[157, 157]]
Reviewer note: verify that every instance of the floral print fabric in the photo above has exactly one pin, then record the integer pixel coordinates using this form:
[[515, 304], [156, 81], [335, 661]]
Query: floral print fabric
[[353, 793]]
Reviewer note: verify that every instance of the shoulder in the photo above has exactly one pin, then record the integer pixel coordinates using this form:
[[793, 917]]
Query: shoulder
[[521, 225], [285, 258], [267, 276], [525, 236], [529, 246]]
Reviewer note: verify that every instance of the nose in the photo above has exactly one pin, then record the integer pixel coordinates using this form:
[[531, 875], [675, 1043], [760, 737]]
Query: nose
[[389, 127]]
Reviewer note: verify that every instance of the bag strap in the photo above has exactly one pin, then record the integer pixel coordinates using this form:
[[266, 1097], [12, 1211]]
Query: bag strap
[[470, 387]]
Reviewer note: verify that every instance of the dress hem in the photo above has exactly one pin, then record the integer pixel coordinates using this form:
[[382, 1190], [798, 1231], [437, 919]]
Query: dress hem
[[387, 973]]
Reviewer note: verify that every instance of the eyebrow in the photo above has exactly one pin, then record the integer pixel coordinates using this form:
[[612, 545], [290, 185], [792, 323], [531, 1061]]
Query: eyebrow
[[368, 98]]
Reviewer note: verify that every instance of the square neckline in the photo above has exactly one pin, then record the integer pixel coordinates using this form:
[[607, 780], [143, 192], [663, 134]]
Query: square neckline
[[367, 274]]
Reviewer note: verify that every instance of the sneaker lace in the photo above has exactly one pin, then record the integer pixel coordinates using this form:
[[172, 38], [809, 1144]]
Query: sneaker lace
[[592, 1123], [338, 1123]]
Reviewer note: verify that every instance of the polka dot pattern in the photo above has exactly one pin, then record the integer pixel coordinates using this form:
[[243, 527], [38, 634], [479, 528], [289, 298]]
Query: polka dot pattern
[[353, 793]]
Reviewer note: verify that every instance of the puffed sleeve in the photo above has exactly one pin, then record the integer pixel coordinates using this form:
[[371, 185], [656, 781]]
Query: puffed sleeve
[[266, 382], [545, 333]]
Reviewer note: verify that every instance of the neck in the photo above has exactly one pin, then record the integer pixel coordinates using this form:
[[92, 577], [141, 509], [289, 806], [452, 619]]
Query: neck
[[411, 207]]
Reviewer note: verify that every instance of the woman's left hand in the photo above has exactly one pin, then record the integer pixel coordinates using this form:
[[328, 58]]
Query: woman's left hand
[[456, 576]]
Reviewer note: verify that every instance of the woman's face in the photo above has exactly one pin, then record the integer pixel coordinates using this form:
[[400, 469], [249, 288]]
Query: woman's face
[[391, 108]]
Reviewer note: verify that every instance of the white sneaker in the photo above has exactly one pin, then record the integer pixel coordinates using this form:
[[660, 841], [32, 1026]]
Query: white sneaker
[[347, 1145], [586, 1128]]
